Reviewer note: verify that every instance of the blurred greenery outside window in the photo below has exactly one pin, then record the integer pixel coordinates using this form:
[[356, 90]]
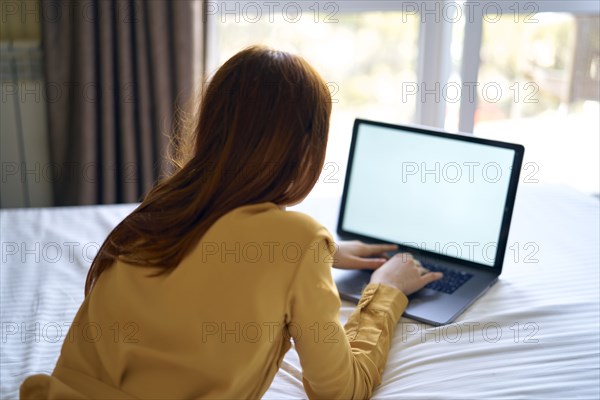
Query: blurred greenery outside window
[[536, 75]]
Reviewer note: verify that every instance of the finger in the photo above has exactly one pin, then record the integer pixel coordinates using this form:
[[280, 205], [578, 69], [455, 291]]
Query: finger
[[405, 257], [430, 277], [382, 255], [423, 270], [371, 249], [368, 263]]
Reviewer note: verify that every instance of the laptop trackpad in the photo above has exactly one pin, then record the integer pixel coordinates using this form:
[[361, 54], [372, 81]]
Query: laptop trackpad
[[351, 282], [434, 307]]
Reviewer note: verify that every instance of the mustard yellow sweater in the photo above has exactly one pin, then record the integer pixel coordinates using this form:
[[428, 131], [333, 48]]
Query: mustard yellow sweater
[[219, 325]]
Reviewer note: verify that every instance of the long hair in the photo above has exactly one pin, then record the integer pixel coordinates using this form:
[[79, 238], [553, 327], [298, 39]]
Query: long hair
[[260, 135]]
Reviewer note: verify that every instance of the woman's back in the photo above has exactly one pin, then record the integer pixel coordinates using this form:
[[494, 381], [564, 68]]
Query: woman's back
[[213, 327]]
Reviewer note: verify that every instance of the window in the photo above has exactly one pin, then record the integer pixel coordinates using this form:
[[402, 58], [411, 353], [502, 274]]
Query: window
[[535, 66], [365, 57], [547, 67]]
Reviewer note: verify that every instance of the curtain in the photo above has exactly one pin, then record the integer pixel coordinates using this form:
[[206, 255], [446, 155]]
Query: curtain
[[116, 72]]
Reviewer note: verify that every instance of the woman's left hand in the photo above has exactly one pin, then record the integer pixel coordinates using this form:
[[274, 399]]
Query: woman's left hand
[[358, 255]]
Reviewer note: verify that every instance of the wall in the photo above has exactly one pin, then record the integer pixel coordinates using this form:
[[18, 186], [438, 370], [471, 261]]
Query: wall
[[24, 157]]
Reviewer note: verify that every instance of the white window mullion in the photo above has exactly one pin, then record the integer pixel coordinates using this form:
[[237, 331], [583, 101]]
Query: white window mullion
[[469, 73], [433, 65]]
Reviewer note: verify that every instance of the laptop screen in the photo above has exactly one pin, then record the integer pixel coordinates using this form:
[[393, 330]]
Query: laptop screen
[[427, 191]]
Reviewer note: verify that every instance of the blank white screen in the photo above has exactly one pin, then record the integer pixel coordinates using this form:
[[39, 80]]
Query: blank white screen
[[442, 195]]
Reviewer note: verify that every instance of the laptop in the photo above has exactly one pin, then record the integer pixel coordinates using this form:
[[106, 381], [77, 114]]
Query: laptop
[[445, 198]]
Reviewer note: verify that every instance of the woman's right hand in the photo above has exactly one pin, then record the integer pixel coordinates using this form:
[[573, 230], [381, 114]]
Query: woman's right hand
[[404, 273]]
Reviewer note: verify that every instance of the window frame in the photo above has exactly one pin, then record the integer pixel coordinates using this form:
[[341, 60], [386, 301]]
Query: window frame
[[435, 35], [473, 36]]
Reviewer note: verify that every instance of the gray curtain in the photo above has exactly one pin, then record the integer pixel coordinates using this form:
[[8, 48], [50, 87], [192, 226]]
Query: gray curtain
[[116, 71]]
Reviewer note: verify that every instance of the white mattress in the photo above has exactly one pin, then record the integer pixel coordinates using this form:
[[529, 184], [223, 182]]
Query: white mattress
[[533, 335]]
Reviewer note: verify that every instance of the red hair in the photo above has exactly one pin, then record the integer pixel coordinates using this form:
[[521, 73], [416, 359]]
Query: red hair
[[260, 136]]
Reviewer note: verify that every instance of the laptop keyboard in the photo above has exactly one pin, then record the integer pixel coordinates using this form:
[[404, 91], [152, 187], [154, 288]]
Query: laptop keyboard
[[452, 280]]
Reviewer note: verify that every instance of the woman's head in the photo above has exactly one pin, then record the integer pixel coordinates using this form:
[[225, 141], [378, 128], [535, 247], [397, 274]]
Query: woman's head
[[264, 121], [260, 135]]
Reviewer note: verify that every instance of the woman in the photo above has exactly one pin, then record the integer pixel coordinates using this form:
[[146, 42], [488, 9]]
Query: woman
[[198, 293]]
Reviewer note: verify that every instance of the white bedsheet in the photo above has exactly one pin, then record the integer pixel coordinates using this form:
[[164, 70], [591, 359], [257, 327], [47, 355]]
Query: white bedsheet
[[533, 335]]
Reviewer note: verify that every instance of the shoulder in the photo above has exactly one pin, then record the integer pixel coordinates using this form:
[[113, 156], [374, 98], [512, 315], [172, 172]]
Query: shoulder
[[268, 218]]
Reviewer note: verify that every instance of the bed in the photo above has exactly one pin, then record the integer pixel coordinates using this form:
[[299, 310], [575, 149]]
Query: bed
[[533, 335]]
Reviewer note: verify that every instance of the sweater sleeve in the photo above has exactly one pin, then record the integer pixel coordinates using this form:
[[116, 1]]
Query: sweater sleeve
[[339, 362]]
